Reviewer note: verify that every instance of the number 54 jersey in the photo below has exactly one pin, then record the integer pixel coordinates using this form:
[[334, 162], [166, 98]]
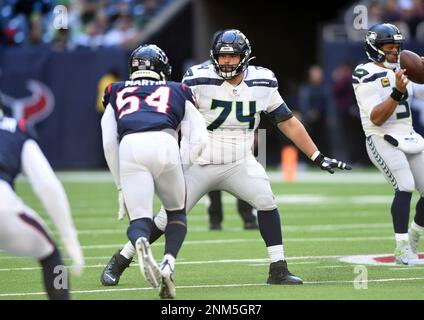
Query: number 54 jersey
[[373, 85], [232, 112], [147, 105]]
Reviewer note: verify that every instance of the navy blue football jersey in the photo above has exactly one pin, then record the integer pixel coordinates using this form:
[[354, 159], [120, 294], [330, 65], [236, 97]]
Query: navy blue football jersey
[[13, 135], [147, 105]]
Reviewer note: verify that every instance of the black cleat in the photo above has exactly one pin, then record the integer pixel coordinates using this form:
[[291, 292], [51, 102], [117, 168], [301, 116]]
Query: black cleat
[[114, 269], [280, 274], [215, 226]]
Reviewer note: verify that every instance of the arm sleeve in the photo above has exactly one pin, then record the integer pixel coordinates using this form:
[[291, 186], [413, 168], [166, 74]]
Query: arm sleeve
[[48, 189], [193, 125], [194, 134], [110, 143], [282, 113]]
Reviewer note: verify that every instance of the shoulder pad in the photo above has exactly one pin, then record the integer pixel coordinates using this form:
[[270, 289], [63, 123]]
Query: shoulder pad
[[260, 77]]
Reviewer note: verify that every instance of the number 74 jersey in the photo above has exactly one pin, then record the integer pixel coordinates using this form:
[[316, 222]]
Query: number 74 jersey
[[232, 112], [373, 85]]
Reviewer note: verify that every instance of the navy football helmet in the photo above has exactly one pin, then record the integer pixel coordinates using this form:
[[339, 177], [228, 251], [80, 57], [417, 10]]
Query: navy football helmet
[[231, 41], [149, 61], [376, 37]]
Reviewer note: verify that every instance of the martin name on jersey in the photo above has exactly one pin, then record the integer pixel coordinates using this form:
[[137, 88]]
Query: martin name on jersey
[[232, 112], [373, 85]]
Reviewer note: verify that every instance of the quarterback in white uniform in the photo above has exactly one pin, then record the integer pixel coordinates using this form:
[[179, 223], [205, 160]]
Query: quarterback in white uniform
[[384, 94], [230, 95]]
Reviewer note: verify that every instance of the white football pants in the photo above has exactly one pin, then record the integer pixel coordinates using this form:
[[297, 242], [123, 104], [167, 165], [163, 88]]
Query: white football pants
[[246, 180], [151, 161], [405, 172]]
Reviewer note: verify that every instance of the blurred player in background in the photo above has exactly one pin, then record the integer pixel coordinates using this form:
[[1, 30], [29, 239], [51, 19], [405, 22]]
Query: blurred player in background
[[22, 231], [139, 130], [230, 96], [384, 94], [216, 216]]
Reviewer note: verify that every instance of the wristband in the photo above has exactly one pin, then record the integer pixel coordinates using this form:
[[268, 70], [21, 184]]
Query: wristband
[[396, 95], [315, 155]]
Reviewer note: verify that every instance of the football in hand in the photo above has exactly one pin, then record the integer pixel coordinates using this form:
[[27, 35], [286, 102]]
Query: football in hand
[[414, 66]]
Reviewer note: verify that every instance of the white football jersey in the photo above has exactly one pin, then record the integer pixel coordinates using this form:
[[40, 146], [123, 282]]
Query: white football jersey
[[373, 85], [232, 112]]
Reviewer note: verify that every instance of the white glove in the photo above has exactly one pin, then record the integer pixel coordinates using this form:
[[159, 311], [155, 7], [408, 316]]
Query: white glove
[[122, 207], [73, 250]]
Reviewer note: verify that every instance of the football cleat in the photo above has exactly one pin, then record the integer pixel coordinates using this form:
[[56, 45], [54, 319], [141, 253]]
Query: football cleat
[[114, 269], [167, 287], [280, 274], [215, 226], [148, 266], [404, 254]]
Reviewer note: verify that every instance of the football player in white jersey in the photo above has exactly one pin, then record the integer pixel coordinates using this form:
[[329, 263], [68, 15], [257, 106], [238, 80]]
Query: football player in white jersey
[[230, 95], [384, 93]]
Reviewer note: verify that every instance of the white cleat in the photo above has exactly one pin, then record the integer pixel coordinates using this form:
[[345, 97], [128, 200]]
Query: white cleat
[[167, 287], [148, 266], [404, 255]]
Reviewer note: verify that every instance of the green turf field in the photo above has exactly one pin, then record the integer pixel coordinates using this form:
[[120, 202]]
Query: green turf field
[[325, 218]]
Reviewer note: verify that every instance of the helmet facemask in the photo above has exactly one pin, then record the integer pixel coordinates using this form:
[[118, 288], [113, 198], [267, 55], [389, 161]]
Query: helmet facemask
[[229, 71]]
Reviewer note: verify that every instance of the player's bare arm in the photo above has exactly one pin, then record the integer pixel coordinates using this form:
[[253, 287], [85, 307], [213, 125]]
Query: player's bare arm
[[385, 109], [297, 133]]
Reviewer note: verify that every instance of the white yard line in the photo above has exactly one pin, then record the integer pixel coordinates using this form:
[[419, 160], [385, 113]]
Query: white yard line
[[303, 176], [261, 260], [214, 286], [291, 228]]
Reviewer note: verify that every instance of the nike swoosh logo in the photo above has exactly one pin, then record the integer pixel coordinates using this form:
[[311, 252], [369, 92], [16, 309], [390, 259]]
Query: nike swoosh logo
[[113, 279]]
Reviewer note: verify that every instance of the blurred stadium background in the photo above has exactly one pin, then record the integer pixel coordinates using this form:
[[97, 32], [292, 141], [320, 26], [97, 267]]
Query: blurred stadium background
[[57, 56]]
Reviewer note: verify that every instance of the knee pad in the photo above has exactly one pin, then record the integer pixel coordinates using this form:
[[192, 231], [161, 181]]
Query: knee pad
[[406, 185], [264, 202]]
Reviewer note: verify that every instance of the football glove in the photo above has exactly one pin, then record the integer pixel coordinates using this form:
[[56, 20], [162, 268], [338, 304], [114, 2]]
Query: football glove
[[122, 212], [329, 164]]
